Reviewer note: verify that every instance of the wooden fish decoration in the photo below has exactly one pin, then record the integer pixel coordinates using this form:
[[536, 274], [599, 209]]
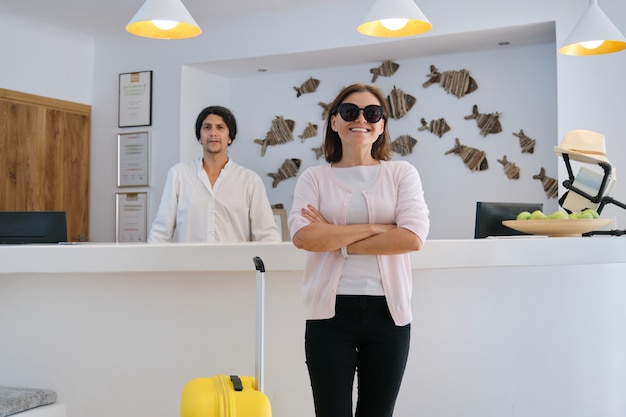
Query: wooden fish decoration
[[399, 103], [487, 122], [404, 144], [437, 127], [280, 132], [458, 83], [474, 159], [309, 132], [510, 169], [527, 144], [387, 69], [288, 169], [550, 185], [319, 151], [309, 86], [326, 109]]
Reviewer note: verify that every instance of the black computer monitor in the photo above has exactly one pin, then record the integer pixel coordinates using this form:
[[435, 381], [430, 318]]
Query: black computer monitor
[[489, 216], [17, 227]]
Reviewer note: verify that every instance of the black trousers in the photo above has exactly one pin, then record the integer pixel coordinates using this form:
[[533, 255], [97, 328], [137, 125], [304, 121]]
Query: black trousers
[[363, 339]]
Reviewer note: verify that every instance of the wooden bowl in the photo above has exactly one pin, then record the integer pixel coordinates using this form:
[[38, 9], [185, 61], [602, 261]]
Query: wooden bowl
[[556, 227]]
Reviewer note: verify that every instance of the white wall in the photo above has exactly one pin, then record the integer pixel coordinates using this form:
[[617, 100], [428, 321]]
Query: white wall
[[589, 90], [45, 60]]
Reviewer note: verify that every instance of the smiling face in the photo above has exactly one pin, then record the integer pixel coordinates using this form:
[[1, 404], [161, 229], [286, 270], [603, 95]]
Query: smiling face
[[358, 132], [214, 135], [358, 136]]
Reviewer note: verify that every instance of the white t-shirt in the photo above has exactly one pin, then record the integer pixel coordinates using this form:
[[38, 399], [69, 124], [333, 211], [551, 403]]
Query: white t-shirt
[[360, 275]]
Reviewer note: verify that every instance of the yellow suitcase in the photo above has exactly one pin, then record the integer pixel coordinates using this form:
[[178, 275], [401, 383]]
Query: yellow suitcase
[[224, 396], [233, 396]]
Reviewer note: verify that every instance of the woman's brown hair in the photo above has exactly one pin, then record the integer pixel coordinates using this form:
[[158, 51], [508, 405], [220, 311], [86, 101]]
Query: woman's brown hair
[[381, 148]]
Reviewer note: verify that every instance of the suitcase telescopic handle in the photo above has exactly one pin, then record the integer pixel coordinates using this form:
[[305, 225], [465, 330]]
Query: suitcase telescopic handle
[[260, 323], [258, 264]]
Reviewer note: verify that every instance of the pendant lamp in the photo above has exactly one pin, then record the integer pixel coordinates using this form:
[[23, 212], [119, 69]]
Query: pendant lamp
[[594, 34], [394, 19], [163, 19]]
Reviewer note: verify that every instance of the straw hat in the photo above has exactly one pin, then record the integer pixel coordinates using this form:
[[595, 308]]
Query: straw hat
[[584, 146]]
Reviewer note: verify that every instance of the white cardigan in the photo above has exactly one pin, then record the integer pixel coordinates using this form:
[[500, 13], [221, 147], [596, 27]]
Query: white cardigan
[[396, 197]]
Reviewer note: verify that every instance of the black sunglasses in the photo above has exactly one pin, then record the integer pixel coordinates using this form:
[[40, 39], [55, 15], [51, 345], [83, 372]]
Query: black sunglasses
[[350, 112]]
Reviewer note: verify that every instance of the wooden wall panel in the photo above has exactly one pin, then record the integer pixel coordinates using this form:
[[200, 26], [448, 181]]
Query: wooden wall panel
[[44, 158]]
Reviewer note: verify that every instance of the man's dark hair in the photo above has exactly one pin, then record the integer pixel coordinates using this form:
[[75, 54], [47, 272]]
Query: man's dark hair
[[224, 113]]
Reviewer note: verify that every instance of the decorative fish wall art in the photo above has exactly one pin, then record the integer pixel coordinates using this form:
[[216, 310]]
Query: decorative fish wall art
[[487, 122], [319, 151], [510, 169], [280, 132], [309, 131], [458, 83], [288, 169], [527, 144], [474, 159], [404, 144], [550, 185], [309, 86], [399, 103], [437, 127], [325, 109], [387, 69]]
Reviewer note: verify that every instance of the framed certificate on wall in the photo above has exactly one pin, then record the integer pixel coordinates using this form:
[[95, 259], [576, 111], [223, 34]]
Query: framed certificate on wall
[[131, 217], [135, 99], [133, 159]]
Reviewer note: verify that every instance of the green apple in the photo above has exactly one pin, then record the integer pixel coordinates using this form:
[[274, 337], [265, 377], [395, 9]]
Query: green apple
[[593, 213], [584, 215], [537, 215], [572, 216], [559, 214], [524, 215]]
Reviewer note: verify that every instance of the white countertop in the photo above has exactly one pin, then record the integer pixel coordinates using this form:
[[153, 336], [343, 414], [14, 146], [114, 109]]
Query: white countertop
[[499, 325], [436, 254]]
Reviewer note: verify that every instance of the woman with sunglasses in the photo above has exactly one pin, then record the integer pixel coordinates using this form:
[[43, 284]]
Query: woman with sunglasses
[[358, 217]]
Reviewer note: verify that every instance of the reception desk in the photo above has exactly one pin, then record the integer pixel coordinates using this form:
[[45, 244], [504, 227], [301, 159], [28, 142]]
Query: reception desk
[[502, 327]]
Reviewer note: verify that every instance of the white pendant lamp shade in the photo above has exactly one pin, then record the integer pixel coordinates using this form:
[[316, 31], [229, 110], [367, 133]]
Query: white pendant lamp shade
[[594, 34], [163, 19], [394, 19]]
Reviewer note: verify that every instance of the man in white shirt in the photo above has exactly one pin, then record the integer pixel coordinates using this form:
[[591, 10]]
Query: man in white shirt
[[212, 198]]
